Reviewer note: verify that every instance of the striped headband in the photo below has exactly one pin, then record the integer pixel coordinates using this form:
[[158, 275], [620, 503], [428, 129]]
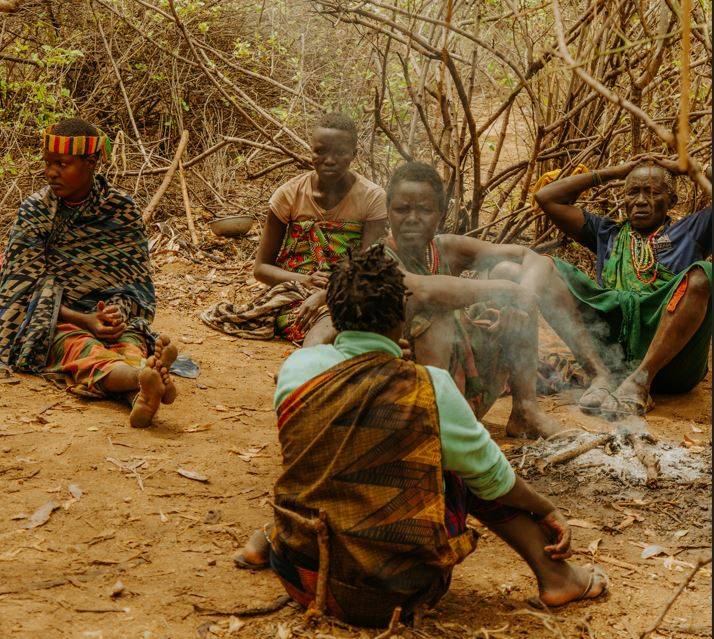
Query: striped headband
[[76, 145]]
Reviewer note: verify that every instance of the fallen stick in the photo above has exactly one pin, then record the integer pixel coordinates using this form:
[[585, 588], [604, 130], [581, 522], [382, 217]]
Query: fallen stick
[[701, 562], [559, 458], [149, 211], [255, 611], [187, 206], [393, 625]]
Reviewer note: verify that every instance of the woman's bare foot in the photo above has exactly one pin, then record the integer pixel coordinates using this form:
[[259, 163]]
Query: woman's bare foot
[[582, 582], [166, 353], [527, 420], [148, 400], [255, 554]]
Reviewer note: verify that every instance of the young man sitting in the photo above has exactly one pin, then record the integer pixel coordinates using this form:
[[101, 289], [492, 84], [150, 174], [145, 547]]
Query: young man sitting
[[391, 452], [651, 297], [313, 220], [76, 296]]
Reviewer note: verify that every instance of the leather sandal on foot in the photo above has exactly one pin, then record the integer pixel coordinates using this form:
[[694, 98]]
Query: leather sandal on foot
[[625, 407], [592, 407], [240, 562]]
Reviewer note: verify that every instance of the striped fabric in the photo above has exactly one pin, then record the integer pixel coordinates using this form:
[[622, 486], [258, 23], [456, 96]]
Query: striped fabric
[[75, 145]]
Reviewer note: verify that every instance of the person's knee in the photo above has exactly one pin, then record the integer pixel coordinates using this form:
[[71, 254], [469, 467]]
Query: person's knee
[[323, 332], [506, 271]]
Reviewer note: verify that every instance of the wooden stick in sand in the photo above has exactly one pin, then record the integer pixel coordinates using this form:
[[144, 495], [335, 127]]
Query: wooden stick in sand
[[391, 630], [187, 206], [567, 455], [318, 525], [702, 561], [149, 211]]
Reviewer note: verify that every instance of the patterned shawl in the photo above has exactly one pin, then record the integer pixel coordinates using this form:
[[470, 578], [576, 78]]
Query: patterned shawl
[[361, 442], [60, 255]]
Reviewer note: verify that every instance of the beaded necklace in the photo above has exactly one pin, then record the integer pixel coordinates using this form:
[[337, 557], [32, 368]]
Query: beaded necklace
[[432, 258], [642, 255]]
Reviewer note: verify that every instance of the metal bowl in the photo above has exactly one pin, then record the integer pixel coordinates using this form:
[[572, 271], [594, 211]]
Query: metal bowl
[[231, 226]]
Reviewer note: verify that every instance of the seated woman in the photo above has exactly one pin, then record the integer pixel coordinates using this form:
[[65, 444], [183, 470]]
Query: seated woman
[[483, 331], [651, 298], [76, 296], [391, 457], [313, 219]]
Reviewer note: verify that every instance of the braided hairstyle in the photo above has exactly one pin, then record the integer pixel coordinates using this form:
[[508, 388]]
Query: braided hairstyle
[[366, 292]]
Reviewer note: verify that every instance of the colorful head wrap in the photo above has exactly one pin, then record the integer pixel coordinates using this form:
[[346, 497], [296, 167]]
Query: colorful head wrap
[[77, 144]]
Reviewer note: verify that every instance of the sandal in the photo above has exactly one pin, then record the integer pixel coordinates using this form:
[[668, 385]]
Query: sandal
[[240, 562], [591, 400], [618, 408]]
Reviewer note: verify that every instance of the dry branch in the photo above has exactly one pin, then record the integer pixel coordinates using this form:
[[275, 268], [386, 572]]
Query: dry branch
[[117, 73], [701, 562], [149, 211], [317, 525], [567, 455], [187, 205]]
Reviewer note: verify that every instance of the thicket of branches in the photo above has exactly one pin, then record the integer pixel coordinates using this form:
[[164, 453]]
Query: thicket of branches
[[493, 93]]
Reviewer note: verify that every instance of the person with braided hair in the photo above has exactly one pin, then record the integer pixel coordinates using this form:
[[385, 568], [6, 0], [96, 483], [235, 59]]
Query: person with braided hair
[[393, 456], [653, 283]]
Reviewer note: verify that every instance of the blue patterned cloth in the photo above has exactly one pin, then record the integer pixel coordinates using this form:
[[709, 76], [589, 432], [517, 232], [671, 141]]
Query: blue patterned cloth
[[76, 257]]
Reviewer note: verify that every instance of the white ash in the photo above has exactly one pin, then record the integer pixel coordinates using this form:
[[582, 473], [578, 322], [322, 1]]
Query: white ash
[[677, 463]]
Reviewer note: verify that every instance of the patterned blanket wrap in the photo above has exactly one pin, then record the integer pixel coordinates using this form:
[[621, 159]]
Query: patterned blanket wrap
[[75, 257], [308, 246], [361, 442]]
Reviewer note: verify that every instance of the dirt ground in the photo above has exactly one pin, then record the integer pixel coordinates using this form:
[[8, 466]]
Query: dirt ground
[[169, 539]]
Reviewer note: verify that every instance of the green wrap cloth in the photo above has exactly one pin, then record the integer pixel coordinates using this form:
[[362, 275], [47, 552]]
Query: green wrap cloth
[[630, 310]]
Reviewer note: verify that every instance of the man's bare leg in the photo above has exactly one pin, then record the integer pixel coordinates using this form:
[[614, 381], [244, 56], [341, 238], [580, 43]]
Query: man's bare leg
[[322, 332], [559, 309], [673, 333], [559, 582], [520, 348], [519, 344], [123, 378], [255, 553]]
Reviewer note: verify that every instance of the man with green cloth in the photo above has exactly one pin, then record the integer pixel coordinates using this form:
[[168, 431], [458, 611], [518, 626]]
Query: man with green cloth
[[653, 284]]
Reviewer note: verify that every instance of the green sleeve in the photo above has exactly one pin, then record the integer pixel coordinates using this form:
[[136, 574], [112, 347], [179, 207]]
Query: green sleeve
[[466, 446]]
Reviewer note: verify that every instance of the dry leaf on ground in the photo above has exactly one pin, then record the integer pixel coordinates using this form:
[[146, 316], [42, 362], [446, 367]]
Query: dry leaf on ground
[[248, 454], [42, 514], [582, 523], [198, 428], [191, 474], [652, 551]]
